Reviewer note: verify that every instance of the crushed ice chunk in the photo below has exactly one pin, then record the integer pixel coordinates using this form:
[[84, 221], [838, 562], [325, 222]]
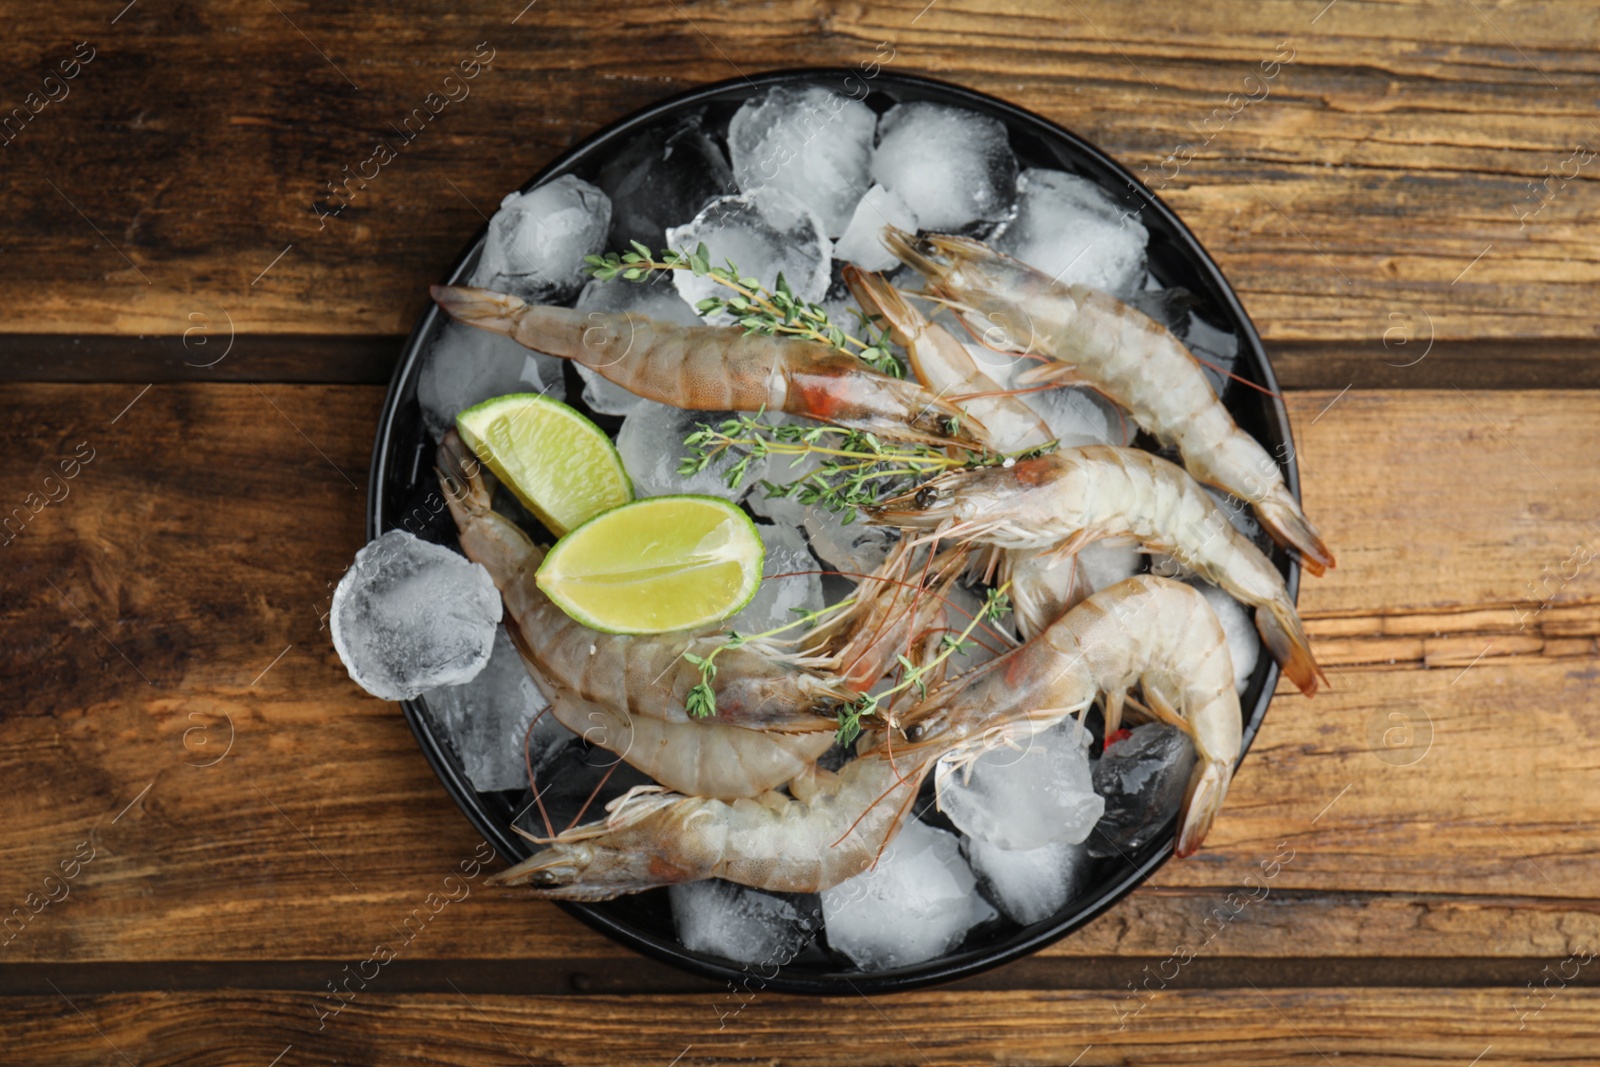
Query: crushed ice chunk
[[1217, 350], [408, 616], [862, 243], [487, 721], [1024, 797], [537, 240], [1143, 778], [857, 548], [661, 179], [1030, 885], [1105, 563], [808, 141], [951, 166], [466, 365], [1073, 230], [765, 233], [779, 600], [744, 925], [651, 445], [1244, 643], [917, 903], [1078, 417]]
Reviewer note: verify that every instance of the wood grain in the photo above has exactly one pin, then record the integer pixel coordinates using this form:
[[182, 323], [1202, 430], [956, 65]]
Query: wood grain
[[181, 585], [1385, 186], [1263, 1026]]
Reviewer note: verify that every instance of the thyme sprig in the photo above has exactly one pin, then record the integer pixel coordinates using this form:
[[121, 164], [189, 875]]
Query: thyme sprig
[[769, 310], [856, 468], [996, 603], [701, 701]]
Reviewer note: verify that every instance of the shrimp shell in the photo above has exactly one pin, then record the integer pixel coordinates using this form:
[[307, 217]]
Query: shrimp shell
[[717, 368], [1065, 499], [1147, 631], [1093, 337]]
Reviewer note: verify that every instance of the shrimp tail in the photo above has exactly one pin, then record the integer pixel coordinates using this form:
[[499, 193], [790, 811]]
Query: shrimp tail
[[1208, 785], [1289, 526], [1281, 632], [484, 308], [556, 331], [881, 300]]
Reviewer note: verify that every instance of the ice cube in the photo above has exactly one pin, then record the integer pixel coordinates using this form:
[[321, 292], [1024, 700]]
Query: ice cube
[[656, 298], [465, 365], [1105, 563], [408, 616], [856, 548], [1244, 643], [661, 179], [1073, 230], [1217, 350], [779, 600], [1078, 417], [651, 445], [862, 243], [809, 142], [951, 166], [1143, 778], [1030, 885], [537, 240], [741, 924], [1024, 797], [765, 233], [487, 721], [917, 903], [783, 470]]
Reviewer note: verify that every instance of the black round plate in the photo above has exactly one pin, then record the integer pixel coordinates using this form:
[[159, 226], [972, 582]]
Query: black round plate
[[402, 487]]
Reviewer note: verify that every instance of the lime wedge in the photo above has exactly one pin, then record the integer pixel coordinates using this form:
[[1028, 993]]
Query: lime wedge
[[559, 464], [658, 564]]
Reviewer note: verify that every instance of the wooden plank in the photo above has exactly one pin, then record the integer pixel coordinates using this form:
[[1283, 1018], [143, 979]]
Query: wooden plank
[[1246, 1026], [180, 586], [1390, 175], [213, 355]]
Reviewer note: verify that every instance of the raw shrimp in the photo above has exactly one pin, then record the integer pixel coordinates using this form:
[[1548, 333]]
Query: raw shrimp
[[1068, 498], [718, 368], [1149, 631], [701, 757], [944, 365], [1094, 338], [1043, 585], [645, 674], [627, 694], [774, 842]]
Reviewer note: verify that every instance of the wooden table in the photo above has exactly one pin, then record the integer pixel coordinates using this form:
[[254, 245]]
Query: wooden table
[[1408, 209]]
